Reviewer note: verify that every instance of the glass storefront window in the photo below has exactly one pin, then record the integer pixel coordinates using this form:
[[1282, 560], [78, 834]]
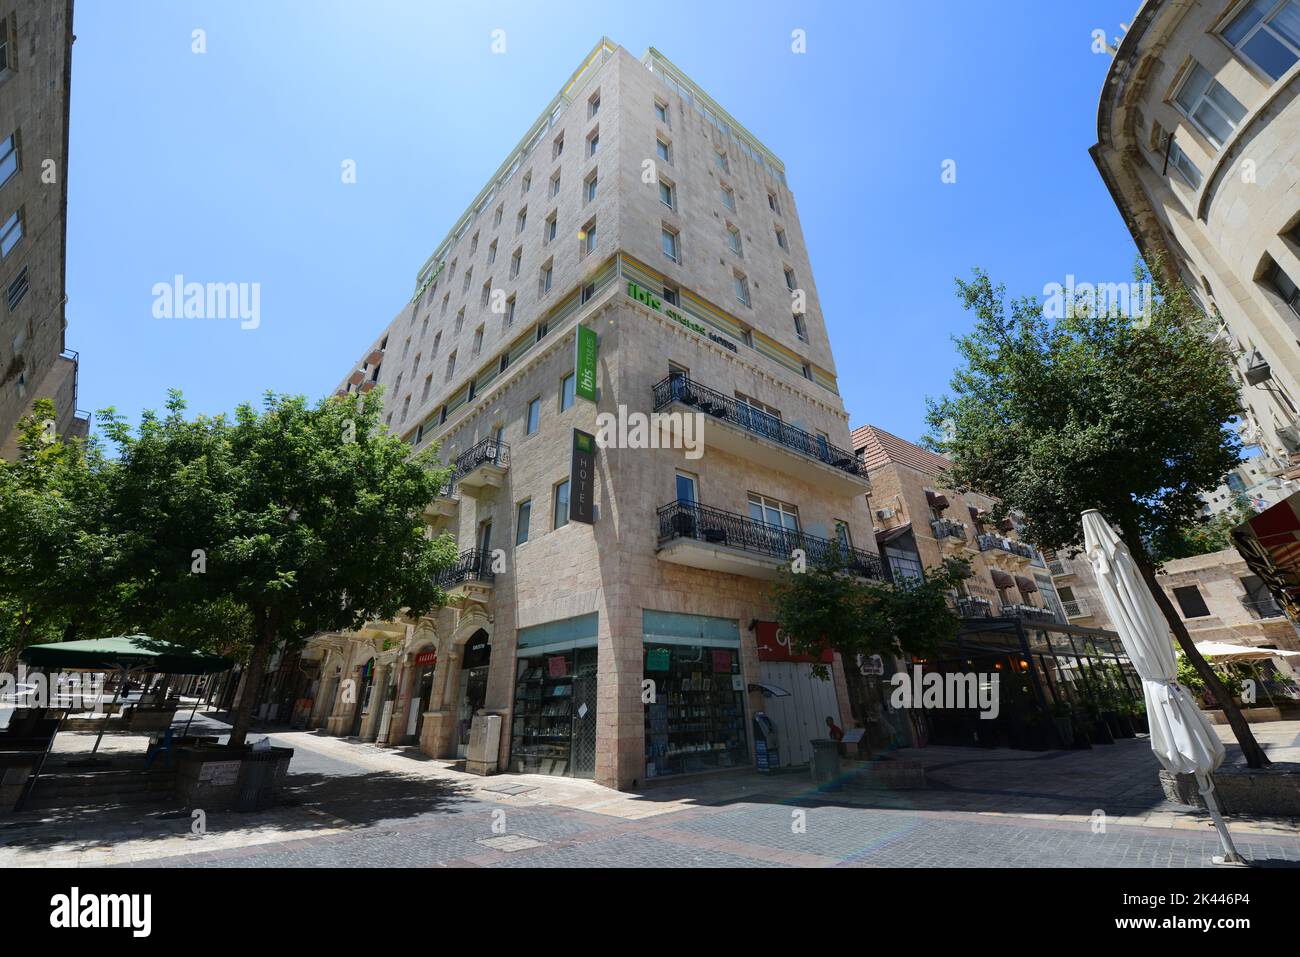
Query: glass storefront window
[[543, 720], [696, 721]]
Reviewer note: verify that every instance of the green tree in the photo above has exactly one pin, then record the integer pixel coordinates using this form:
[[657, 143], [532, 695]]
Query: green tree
[[57, 556], [1202, 535], [825, 608], [1095, 409], [294, 519]]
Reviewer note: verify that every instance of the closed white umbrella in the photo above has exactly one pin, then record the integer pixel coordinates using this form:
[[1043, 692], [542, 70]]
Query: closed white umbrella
[[1181, 736]]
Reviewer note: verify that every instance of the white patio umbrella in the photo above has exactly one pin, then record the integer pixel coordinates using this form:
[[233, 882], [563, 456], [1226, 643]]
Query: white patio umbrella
[[1181, 736]]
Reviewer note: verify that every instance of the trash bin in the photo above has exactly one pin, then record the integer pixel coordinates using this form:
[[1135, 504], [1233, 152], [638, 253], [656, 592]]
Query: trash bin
[[826, 762], [257, 781]]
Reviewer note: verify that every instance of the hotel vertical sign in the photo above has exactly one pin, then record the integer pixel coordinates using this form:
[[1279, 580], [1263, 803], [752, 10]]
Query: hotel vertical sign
[[582, 478], [584, 364]]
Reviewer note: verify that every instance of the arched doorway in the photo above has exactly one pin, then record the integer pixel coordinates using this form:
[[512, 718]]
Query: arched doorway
[[365, 691], [473, 686]]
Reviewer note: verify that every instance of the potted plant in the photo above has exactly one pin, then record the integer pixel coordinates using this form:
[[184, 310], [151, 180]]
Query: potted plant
[[1139, 717], [1063, 719]]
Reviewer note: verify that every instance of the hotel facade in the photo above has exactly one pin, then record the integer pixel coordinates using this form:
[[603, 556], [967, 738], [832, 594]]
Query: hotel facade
[[1198, 141], [639, 252]]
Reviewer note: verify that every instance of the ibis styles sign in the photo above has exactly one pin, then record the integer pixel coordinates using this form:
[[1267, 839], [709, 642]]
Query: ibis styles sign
[[584, 364], [582, 478], [655, 303]]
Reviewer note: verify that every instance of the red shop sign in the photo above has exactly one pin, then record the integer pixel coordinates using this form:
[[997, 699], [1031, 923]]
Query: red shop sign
[[427, 658], [775, 645]]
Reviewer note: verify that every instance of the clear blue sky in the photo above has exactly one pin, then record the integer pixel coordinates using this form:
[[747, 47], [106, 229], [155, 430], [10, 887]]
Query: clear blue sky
[[225, 167]]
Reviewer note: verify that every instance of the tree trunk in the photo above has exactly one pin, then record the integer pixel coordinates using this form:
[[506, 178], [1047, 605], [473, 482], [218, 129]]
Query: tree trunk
[[243, 712], [1254, 754]]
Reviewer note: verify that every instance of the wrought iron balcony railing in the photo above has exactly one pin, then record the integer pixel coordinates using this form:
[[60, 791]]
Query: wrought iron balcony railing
[[1029, 612], [1060, 566], [1263, 608], [1077, 608], [680, 388], [682, 519], [946, 528], [473, 565], [969, 606], [989, 541], [489, 451]]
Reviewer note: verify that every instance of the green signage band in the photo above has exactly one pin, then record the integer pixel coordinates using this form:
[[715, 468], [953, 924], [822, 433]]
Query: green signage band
[[585, 364], [655, 303]]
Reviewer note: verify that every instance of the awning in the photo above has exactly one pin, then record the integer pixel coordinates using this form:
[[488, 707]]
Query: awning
[[125, 652], [1223, 651], [977, 514], [1001, 579], [936, 500], [1026, 585], [890, 534]]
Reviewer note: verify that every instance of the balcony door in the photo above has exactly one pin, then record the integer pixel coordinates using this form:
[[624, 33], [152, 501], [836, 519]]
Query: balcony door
[[784, 536], [686, 489]]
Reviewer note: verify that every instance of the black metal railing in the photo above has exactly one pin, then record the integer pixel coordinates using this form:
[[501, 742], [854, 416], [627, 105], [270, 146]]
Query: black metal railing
[[682, 519], [474, 565], [1075, 608], [989, 541], [968, 606], [489, 451], [680, 388], [1030, 612], [946, 528], [1263, 608]]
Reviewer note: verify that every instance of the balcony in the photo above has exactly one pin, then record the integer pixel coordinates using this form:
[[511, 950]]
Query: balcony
[[996, 543], [1027, 612], [1261, 609], [1078, 608], [443, 506], [482, 467], [704, 537], [471, 577], [972, 606], [763, 438], [948, 532]]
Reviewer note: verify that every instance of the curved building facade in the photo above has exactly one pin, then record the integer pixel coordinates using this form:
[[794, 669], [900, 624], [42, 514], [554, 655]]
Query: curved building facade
[[1199, 143]]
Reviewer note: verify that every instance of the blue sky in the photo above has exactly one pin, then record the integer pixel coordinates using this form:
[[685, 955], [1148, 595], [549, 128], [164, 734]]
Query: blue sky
[[225, 167]]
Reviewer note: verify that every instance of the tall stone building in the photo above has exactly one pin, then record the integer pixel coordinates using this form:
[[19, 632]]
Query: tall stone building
[[1198, 140], [35, 72], [612, 607]]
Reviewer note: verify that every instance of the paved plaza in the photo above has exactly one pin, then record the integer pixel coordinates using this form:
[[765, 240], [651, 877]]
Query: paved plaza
[[355, 804]]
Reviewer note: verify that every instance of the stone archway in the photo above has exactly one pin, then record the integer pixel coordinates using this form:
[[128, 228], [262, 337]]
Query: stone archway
[[438, 734]]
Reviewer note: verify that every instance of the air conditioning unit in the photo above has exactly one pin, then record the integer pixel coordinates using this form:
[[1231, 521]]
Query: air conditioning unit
[[884, 514]]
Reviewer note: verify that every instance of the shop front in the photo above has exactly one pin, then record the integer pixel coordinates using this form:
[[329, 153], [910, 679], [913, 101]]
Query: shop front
[[424, 665], [695, 719], [473, 686], [553, 726], [800, 715]]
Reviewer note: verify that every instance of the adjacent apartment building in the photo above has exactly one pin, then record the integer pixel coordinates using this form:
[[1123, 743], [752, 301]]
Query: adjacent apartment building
[[1198, 139], [920, 520], [1220, 599], [35, 73], [612, 602]]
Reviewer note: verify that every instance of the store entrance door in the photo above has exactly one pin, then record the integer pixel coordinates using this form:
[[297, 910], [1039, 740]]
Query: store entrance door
[[422, 695], [801, 717], [364, 688], [473, 687], [584, 713]]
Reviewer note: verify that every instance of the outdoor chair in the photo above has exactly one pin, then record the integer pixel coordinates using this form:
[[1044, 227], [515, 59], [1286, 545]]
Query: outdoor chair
[[161, 746]]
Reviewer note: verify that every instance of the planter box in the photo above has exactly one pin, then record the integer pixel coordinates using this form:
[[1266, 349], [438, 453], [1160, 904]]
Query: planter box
[[1252, 715], [150, 719], [221, 779], [1269, 792]]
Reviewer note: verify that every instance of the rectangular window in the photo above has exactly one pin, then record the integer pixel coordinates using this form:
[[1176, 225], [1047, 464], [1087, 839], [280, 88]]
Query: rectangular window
[[548, 271], [729, 198], [515, 260], [566, 391], [557, 147], [686, 488], [1212, 109], [773, 204], [1267, 33], [590, 188], [588, 293], [486, 296], [522, 517], [4, 44], [588, 237], [473, 245], [8, 158], [733, 240], [437, 341], [1285, 288], [469, 275], [534, 415], [561, 505], [661, 112], [790, 280], [496, 218], [510, 311], [666, 196], [17, 289], [451, 366], [670, 244], [428, 384], [1186, 168], [593, 143], [527, 183], [521, 220], [664, 151], [478, 340], [555, 184], [1190, 601], [549, 232], [10, 233], [406, 407], [720, 160], [742, 289], [800, 328], [780, 238], [670, 296], [492, 252], [773, 512], [593, 104]]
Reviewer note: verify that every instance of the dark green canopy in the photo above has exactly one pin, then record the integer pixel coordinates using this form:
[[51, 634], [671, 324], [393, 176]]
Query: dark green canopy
[[130, 652]]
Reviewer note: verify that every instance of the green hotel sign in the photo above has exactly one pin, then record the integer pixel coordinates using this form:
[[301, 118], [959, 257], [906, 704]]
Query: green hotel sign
[[654, 302], [428, 279], [584, 364]]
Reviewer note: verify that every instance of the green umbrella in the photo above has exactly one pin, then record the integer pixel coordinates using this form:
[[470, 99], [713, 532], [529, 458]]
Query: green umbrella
[[127, 653]]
